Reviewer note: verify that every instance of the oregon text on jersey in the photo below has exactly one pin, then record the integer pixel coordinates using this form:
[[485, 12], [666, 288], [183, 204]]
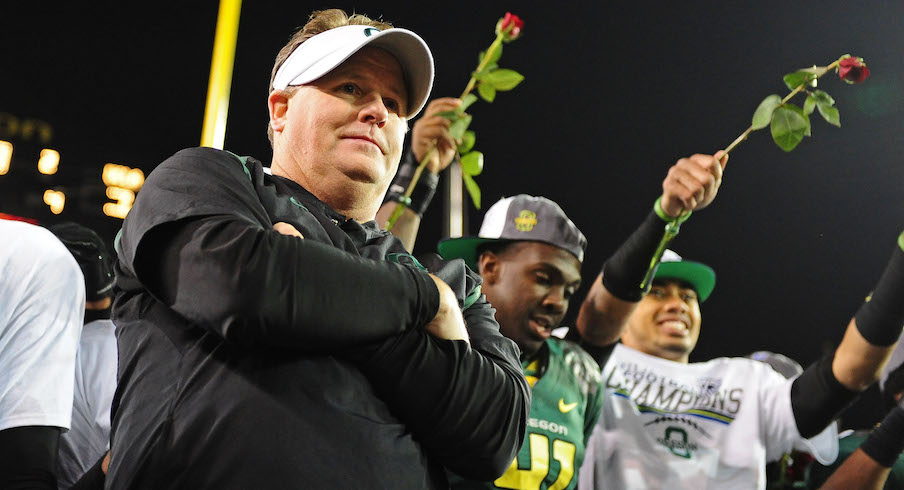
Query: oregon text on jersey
[[547, 426]]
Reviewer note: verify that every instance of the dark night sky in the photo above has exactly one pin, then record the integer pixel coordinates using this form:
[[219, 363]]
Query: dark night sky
[[614, 93]]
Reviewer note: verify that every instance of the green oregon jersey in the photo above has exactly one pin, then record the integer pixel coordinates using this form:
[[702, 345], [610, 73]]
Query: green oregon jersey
[[567, 399]]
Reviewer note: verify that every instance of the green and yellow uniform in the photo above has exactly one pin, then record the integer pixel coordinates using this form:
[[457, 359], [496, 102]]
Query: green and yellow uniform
[[567, 399]]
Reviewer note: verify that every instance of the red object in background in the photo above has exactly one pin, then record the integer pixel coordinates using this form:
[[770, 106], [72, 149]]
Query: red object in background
[[11, 217]]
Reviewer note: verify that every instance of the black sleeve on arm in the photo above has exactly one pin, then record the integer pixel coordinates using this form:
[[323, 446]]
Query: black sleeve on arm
[[886, 442], [467, 405], [881, 317], [423, 191], [626, 268], [818, 398], [257, 286], [200, 239], [29, 457]]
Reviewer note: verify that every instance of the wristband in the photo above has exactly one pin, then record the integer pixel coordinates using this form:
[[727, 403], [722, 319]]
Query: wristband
[[886, 441], [881, 317], [657, 207], [423, 191], [624, 271]]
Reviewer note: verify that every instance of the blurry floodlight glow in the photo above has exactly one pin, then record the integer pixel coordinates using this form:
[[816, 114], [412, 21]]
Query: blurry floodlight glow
[[116, 210], [56, 200], [6, 156], [124, 199], [122, 176], [49, 162], [120, 194]]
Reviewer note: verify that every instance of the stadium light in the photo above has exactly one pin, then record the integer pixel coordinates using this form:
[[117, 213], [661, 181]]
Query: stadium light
[[124, 199], [122, 176], [56, 200], [49, 161], [6, 156]]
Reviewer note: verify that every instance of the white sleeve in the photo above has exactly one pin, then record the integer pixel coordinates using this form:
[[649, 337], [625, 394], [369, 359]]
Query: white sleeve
[[95, 384], [102, 387], [780, 429], [41, 315]]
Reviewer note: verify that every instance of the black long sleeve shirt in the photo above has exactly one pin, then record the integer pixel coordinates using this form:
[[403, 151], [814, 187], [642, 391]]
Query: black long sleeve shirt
[[250, 359]]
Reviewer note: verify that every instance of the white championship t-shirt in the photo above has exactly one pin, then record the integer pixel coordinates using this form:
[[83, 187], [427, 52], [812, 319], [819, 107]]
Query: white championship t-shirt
[[708, 425], [95, 383], [42, 303]]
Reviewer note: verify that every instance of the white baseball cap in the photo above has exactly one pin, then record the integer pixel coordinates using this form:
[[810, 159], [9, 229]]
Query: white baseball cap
[[319, 54]]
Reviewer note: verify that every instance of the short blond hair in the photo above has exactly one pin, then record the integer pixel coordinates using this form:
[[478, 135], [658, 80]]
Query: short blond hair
[[319, 21]]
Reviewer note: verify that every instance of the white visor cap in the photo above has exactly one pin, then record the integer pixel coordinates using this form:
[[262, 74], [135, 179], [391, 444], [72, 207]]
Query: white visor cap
[[318, 55]]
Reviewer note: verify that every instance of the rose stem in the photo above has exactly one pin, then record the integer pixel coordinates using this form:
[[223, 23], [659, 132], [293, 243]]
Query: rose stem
[[400, 208]]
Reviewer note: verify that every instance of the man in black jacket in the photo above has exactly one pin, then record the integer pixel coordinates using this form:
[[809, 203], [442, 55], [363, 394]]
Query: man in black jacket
[[272, 335]]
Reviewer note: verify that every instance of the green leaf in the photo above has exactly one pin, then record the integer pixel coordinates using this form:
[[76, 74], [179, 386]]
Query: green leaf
[[497, 53], [793, 80], [487, 92], [504, 79], [830, 114], [824, 103], [809, 105], [789, 126], [472, 188], [466, 102], [467, 142], [472, 163], [482, 74], [453, 115], [458, 128], [763, 113], [823, 98]]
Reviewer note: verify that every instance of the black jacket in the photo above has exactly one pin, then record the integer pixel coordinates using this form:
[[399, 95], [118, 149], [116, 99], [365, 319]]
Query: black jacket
[[250, 359]]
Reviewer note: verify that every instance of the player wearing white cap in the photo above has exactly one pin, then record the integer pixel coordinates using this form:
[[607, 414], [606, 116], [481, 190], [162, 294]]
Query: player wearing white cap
[[271, 335]]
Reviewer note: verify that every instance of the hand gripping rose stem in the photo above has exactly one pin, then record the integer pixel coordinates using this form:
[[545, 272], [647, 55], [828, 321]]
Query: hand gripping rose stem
[[400, 207], [672, 226]]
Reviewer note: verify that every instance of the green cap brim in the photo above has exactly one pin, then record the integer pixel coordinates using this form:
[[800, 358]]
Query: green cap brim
[[464, 248], [702, 277]]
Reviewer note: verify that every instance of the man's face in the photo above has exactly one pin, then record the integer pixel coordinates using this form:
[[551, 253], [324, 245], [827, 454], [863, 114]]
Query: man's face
[[346, 127], [530, 285], [666, 322]]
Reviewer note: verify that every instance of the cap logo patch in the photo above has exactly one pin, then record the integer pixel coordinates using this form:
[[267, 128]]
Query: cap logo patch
[[526, 220], [369, 31]]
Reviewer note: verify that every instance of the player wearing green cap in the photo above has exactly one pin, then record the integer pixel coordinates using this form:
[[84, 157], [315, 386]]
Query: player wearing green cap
[[529, 255], [669, 423]]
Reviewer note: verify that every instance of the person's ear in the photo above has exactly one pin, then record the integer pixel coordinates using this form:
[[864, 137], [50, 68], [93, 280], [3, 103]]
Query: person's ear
[[488, 266], [278, 103]]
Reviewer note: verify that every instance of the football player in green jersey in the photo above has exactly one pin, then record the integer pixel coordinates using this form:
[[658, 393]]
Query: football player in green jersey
[[529, 254]]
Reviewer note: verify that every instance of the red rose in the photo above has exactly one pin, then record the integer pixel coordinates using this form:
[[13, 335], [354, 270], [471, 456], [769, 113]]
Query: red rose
[[510, 26], [852, 70]]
